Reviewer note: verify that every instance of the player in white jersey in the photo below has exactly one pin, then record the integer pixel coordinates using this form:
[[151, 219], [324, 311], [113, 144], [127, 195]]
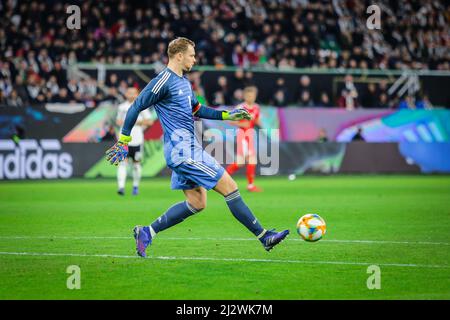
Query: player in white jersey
[[136, 146]]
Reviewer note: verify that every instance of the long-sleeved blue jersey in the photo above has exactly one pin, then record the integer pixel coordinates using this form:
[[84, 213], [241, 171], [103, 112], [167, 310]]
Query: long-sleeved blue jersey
[[175, 103]]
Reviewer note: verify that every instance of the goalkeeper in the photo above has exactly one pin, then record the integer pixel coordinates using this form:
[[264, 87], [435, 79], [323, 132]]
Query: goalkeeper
[[193, 170]]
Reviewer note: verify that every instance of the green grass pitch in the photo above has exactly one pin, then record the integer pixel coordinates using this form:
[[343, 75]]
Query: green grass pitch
[[399, 223]]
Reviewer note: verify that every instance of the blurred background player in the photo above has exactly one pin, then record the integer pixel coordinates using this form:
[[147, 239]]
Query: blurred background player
[[246, 153], [136, 146]]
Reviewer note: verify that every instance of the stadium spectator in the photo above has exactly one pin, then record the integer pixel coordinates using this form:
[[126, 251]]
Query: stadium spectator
[[324, 100], [369, 98], [382, 87], [112, 80], [239, 57], [306, 100], [35, 89], [350, 86], [14, 100], [217, 99], [305, 85], [238, 81], [222, 92], [349, 94], [408, 102], [346, 100], [112, 95], [21, 89], [248, 78], [62, 97], [279, 99], [72, 86], [238, 96], [424, 102], [383, 101], [280, 85], [52, 86]]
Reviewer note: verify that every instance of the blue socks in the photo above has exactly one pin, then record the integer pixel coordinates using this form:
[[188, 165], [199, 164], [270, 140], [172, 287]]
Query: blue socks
[[241, 212], [182, 210], [174, 215]]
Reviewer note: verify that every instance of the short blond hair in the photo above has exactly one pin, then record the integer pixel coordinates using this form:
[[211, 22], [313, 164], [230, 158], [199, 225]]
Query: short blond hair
[[251, 89], [178, 45]]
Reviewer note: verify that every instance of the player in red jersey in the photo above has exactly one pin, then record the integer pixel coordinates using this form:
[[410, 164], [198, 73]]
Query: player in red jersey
[[246, 153]]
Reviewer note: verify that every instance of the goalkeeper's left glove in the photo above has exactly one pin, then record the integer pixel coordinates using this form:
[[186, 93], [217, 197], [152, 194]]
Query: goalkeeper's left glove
[[119, 151], [236, 114]]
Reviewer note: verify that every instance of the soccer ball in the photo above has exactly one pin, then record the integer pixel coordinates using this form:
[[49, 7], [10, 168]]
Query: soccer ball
[[311, 227]]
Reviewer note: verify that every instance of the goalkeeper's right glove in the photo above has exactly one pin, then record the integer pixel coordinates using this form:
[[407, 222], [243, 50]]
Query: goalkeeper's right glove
[[119, 151]]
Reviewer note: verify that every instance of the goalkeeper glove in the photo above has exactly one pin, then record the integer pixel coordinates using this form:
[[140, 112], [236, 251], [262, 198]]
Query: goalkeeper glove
[[236, 114], [119, 151]]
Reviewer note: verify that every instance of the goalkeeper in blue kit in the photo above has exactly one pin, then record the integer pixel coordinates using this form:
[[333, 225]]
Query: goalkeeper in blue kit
[[193, 170]]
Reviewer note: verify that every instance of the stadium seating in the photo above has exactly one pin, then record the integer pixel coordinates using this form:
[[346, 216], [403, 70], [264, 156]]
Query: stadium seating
[[37, 48]]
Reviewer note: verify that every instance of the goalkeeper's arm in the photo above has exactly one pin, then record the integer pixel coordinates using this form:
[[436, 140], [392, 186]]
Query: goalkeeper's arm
[[209, 113], [148, 97], [145, 99]]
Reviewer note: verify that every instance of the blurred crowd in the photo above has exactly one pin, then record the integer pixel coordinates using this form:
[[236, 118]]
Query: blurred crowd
[[36, 47], [351, 94]]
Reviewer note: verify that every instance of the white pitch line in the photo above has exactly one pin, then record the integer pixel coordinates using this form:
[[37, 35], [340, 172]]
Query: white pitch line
[[388, 242], [42, 254], [223, 239]]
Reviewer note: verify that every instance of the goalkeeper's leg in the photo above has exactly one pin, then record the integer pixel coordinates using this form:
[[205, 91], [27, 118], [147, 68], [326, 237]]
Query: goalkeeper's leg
[[228, 188], [195, 202]]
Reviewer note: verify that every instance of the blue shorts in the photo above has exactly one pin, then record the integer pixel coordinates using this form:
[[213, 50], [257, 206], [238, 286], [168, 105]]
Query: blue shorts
[[191, 174]]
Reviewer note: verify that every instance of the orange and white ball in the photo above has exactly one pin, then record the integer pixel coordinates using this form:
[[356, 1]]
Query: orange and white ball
[[311, 227]]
